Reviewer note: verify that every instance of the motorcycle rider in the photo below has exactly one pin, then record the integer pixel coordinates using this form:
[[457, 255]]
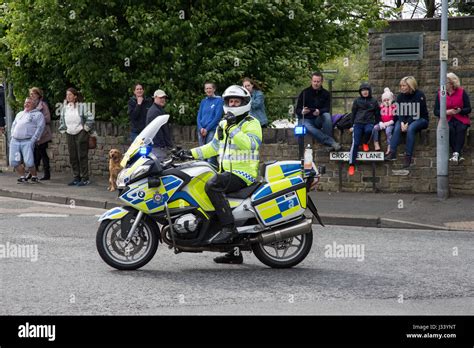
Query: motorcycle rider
[[237, 141]]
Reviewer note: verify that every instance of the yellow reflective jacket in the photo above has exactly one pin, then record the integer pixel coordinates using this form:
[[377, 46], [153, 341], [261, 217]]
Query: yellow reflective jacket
[[245, 140]]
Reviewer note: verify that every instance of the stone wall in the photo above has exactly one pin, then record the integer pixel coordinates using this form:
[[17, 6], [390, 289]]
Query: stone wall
[[280, 144]]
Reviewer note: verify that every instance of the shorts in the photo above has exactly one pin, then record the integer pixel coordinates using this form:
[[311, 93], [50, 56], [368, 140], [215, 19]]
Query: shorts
[[22, 149]]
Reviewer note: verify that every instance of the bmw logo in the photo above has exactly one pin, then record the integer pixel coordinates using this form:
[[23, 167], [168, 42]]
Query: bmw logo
[[141, 194]]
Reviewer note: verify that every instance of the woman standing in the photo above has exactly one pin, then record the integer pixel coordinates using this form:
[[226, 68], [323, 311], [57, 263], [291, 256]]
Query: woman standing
[[257, 109], [138, 106], [77, 121], [411, 117], [458, 108], [41, 146]]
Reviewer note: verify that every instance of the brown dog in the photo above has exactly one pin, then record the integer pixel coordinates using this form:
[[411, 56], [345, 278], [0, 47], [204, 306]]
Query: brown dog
[[115, 156]]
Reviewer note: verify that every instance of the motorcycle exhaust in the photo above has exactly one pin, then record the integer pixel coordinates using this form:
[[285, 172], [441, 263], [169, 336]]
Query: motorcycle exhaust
[[284, 233]]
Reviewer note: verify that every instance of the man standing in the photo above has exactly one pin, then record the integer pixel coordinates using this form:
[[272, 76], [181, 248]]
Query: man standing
[[26, 130], [237, 141], [162, 140], [209, 115], [314, 103]]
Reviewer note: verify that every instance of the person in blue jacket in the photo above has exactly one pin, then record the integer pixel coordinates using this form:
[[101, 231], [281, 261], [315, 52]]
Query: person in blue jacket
[[258, 101], [209, 114]]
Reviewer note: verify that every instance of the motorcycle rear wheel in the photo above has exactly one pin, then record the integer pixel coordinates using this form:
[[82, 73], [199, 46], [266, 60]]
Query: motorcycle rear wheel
[[114, 251], [281, 257]]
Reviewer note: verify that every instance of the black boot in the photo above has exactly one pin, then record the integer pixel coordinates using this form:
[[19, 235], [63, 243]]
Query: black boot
[[230, 258], [47, 175], [225, 235], [407, 162]]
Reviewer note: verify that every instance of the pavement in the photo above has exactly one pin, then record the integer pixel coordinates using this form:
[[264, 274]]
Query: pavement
[[384, 210]]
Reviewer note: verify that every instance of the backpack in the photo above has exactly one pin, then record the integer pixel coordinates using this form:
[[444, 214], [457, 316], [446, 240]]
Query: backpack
[[345, 122]]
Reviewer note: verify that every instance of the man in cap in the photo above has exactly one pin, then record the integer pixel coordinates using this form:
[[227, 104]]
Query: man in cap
[[162, 140]]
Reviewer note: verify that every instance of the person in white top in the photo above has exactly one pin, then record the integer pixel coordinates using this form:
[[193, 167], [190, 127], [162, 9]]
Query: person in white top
[[26, 130], [77, 121]]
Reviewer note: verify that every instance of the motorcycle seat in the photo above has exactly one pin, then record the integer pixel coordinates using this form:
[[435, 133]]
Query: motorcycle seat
[[245, 192]]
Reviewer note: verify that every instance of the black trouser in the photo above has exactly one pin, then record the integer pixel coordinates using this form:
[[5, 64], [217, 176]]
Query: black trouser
[[457, 134], [215, 189], [42, 155], [78, 146]]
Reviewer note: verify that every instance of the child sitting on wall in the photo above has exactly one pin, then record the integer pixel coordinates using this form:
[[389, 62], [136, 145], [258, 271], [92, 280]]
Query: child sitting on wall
[[387, 112], [365, 114]]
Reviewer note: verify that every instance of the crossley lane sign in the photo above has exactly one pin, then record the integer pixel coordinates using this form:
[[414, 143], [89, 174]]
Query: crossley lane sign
[[361, 156]]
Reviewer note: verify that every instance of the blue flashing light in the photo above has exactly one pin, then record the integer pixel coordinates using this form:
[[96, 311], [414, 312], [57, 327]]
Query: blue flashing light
[[300, 130], [145, 150]]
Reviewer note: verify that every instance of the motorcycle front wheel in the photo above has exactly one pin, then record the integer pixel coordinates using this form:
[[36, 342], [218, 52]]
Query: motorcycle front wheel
[[286, 253], [117, 253]]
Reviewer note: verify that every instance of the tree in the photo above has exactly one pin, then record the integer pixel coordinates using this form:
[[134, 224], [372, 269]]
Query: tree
[[102, 48]]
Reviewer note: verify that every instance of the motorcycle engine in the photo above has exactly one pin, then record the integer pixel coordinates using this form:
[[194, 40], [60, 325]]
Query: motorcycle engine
[[188, 223]]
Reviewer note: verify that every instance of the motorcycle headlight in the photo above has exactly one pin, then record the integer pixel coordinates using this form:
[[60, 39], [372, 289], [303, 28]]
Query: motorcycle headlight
[[122, 178], [140, 171]]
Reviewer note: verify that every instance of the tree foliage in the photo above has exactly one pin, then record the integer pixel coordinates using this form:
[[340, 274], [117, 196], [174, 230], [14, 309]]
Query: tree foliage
[[103, 48]]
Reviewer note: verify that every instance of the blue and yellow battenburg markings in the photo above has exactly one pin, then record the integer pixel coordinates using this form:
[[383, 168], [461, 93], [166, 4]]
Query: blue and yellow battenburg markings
[[281, 170], [152, 200], [282, 206]]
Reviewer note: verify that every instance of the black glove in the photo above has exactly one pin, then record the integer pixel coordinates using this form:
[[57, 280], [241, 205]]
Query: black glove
[[231, 119], [185, 154]]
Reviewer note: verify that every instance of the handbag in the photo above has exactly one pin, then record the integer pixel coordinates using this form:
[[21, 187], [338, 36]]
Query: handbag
[[92, 142]]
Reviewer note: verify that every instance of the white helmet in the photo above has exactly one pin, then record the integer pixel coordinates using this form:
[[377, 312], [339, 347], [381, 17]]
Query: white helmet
[[236, 91]]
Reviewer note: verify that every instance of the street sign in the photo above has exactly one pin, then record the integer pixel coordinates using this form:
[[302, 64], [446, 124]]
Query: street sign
[[361, 156], [443, 50]]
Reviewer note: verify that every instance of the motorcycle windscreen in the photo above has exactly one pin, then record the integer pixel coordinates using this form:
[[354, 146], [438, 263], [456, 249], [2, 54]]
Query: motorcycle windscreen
[[146, 135]]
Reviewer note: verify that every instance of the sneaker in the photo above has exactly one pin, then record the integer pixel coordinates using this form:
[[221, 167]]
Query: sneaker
[[365, 147], [351, 170], [75, 182], [22, 180], [83, 183], [28, 175], [455, 158], [230, 258], [461, 159], [391, 156], [34, 179]]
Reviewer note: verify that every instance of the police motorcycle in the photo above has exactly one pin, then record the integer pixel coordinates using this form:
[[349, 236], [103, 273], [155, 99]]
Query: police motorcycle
[[165, 202]]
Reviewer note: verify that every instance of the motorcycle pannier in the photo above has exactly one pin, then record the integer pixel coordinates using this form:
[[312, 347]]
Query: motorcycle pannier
[[280, 200]]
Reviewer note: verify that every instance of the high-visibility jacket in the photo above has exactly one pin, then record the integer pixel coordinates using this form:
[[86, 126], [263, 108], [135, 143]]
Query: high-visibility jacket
[[241, 154]]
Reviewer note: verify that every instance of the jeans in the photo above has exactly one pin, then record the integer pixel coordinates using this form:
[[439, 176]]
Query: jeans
[[206, 140], [133, 135], [22, 149], [388, 132], [457, 135], [320, 128], [413, 128], [360, 131]]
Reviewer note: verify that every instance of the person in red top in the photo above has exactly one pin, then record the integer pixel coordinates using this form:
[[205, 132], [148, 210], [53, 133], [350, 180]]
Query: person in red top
[[458, 108], [386, 119]]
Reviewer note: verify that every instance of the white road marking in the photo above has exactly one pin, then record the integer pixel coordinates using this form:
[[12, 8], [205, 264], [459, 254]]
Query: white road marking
[[42, 215]]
